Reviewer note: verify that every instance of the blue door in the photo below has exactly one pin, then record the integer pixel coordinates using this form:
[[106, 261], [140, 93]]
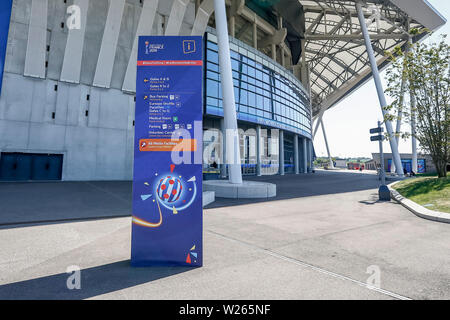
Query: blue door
[[46, 167], [29, 166], [15, 166]]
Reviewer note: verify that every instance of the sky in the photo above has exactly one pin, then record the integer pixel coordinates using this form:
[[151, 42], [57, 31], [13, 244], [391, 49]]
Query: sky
[[347, 124]]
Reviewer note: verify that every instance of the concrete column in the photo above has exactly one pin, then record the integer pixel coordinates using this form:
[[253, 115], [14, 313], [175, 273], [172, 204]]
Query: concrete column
[[305, 156], [145, 25], [176, 17], [330, 160], [283, 58], [229, 108], [37, 40], [304, 72], [273, 49], [255, 34], [73, 55], [296, 162], [204, 11], [106, 57], [258, 150], [281, 155], [233, 26], [310, 156], [234, 10], [223, 150], [379, 86]]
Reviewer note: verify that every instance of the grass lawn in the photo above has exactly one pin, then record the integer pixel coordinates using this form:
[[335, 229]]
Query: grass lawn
[[431, 192]]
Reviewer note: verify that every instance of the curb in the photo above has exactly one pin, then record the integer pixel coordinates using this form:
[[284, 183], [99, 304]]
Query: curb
[[417, 209]]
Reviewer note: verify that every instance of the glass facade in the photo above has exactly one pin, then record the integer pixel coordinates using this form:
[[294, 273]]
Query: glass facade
[[289, 166], [265, 93]]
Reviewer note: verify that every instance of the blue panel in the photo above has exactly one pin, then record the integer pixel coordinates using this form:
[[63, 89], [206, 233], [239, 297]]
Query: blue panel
[[407, 164], [421, 166], [5, 16], [167, 194]]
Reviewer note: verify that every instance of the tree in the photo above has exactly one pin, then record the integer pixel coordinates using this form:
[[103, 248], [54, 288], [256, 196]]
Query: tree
[[424, 70]]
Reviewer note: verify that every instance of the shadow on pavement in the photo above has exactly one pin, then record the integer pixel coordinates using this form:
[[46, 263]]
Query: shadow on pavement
[[308, 185], [49, 202], [373, 199], [23, 204], [94, 281]]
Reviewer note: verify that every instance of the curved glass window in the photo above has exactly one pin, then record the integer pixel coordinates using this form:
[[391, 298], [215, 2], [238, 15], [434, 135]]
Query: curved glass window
[[262, 95]]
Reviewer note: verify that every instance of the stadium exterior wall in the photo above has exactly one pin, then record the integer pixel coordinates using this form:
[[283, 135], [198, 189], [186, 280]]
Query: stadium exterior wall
[[92, 127]]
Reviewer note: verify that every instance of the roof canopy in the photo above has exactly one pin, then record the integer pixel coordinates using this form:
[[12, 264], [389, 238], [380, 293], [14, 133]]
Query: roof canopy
[[335, 49]]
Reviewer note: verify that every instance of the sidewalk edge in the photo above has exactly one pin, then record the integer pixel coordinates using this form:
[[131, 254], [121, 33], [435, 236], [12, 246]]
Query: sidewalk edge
[[417, 209]]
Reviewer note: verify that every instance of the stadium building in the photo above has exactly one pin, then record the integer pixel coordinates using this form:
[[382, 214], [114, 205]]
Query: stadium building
[[68, 91]]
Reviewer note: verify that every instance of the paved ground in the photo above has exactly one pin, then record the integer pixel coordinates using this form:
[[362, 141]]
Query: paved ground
[[315, 241], [49, 201]]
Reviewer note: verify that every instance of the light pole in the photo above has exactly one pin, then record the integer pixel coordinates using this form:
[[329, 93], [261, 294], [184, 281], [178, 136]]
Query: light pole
[[383, 191]]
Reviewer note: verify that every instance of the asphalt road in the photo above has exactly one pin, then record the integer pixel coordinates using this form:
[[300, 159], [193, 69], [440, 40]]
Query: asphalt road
[[321, 238]]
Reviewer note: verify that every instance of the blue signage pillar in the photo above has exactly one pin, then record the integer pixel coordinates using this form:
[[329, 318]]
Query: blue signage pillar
[[167, 184], [5, 16]]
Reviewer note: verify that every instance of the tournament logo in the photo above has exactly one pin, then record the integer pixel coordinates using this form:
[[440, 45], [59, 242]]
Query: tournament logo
[[169, 189]]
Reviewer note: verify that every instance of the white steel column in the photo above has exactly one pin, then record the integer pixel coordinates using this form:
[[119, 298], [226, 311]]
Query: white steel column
[[331, 164], [413, 132], [229, 108], [223, 150], [281, 151], [296, 162], [258, 150], [318, 121], [398, 126], [402, 99], [380, 91], [412, 96], [305, 156]]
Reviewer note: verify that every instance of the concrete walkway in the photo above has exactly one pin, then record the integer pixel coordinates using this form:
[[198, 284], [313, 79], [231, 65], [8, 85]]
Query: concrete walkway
[[316, 241]]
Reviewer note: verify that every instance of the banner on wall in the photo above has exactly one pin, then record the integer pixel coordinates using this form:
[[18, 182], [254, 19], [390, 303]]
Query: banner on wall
[[167, 182], [5, 16]]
